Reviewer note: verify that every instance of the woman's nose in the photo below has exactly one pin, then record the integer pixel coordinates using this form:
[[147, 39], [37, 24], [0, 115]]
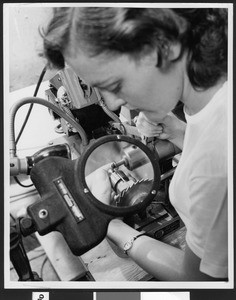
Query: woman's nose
[[112, 101]]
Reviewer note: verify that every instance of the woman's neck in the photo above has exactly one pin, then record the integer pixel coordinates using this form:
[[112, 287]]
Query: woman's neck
[[196, 100]]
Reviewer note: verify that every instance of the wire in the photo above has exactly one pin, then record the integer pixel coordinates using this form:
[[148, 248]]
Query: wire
[[111, 114], [49, 105], [43, 265], [31, 105], [21, 184], [12, 217], [27, 118]]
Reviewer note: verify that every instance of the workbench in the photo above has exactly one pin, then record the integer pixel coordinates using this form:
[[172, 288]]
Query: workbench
[[53, 259]]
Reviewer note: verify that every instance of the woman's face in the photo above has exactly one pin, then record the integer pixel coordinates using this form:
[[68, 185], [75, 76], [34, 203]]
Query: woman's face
[[138, 83]]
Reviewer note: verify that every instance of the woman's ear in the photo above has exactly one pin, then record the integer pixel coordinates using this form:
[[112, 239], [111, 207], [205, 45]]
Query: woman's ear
[[149, 56], [167, 52], [174, 51], [163, 55]]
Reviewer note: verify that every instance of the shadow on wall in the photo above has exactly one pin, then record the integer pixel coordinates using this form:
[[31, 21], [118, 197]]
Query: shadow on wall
[[25, 45]]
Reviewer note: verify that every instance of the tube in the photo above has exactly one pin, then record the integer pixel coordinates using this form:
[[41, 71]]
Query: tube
[[51, 106], [112, 115]]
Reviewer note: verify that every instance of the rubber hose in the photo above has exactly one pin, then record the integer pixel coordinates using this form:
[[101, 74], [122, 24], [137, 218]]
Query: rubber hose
[[51, 106]]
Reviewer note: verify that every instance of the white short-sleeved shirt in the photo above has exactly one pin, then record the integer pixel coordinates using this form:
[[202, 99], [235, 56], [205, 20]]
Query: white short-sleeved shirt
[[198, 190]]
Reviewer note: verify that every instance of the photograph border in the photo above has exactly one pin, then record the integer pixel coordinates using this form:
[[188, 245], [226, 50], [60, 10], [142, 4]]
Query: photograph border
[[116, 285]]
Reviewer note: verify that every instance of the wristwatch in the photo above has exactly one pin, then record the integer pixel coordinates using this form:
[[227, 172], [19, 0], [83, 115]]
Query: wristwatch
[[128, 245]]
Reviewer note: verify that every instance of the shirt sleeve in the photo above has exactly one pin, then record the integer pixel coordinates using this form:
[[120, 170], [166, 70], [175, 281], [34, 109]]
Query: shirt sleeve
[[207, 233]]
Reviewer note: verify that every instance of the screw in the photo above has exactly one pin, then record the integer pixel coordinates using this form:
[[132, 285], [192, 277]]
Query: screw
[[43, 213], [27, 223]]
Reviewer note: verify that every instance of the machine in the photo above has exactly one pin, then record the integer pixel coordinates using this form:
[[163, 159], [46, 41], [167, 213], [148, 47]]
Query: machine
[[139, 169]]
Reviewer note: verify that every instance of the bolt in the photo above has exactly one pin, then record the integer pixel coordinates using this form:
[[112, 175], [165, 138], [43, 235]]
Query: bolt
[[26, 223], [43, 213]]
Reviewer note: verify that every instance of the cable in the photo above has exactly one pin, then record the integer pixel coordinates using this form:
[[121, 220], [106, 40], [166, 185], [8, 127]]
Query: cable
[[31, 105], [27, 118], [13, 218], [57, 110], [42, 266], [21, 184], [112, 115]]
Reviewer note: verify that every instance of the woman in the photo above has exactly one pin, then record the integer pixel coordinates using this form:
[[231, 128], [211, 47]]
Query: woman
[[151, 59]]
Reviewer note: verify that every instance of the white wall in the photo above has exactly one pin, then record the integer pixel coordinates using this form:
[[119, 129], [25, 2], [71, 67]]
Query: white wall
[[25, 44]]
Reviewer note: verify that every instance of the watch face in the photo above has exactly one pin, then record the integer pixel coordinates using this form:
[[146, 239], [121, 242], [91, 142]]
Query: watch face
[[127, 246]]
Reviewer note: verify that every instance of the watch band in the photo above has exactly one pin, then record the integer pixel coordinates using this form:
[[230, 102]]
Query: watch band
[[128, 245]]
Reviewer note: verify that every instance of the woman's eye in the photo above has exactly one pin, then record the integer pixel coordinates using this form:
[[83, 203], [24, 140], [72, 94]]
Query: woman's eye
[[116, 90]]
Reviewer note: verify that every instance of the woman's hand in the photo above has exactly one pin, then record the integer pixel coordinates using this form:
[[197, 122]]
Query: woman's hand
[[170, 127], [99, 185]]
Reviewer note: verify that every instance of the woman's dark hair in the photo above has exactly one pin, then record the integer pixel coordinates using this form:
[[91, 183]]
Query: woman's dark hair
[[202, 32]]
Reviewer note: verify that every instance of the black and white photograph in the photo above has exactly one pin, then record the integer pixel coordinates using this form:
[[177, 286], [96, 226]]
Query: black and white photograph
[[118, 146]]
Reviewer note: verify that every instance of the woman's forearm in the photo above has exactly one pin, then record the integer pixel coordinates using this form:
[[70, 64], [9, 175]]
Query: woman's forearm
[[162, 261]]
